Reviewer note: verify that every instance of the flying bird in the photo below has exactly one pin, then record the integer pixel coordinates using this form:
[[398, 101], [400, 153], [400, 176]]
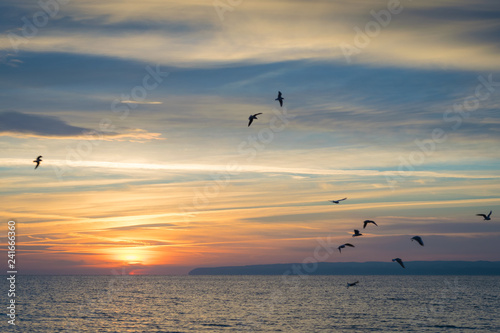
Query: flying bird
[[418, 239], [399, 261], [337, 201], [352, 284], [356, 233], [343, 246], [486, 217], [280, 99], [368, 221], [252, 117], [37, 161]]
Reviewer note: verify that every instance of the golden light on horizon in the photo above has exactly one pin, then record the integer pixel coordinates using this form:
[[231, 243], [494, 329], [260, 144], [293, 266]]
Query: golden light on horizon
[[130, 256]]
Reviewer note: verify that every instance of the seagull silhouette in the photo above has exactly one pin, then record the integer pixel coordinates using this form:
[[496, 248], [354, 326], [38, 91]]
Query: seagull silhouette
[[368, 221], [37, 161], [352, 284], [418, 239], [252, 117], [280, 99], [343, 246], [399, 261], [356, 233], [337, 201], [486, 217]]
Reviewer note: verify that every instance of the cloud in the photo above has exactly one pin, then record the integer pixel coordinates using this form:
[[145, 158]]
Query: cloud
[[192, 34], [18, 122], [136, 102], [151, 226]]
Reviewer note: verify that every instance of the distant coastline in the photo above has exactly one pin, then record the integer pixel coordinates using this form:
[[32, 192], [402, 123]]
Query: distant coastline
[[359, 268]]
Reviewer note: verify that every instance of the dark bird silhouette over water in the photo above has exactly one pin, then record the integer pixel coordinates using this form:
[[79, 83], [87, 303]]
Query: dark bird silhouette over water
[[418, 239], [337, 201], [368, 221], [280, 99], [486, 217], [252, 117], [356, 233], [352, 284], [343, 246], [399, 261], [37, 161]]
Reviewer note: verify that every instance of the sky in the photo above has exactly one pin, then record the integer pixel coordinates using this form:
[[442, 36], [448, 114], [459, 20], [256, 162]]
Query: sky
[[140, 111]]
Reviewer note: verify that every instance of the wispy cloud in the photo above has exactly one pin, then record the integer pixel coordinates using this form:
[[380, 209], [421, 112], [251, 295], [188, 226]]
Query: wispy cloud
[[18, 122], [263, 32], [139, 102], [25, 125]]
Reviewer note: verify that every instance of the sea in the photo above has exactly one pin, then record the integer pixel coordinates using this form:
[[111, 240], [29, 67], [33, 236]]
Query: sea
[[124, 303]]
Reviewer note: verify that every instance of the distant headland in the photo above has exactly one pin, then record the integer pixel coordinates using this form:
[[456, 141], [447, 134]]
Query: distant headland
[[359, 268]]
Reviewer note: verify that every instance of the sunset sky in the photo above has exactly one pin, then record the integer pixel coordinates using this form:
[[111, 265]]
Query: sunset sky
[[140, 111]]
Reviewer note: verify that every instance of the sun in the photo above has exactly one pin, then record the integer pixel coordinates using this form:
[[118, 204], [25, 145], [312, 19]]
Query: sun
[[132, 259], [129, 256]]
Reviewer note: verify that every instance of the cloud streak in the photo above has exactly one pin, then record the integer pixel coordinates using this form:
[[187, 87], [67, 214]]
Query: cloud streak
[[255, 31], [18, 122], [23, 125]]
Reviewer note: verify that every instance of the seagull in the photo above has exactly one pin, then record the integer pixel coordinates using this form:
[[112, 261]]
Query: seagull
[[399, 261], [356, 233], [280, 99], [418, 239], [368, 221], [37, 161], [252, 117], [337, 201], [486, 217], [352, 284], [343, 246]]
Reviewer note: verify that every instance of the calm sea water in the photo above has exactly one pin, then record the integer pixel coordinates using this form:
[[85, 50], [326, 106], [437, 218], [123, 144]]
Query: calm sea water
[[255, 304]]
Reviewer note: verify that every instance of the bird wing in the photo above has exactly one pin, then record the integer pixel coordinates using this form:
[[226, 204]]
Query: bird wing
[[349, 244], [281, 102], [401, 263], [490, 213], [279, 94], [37, 164], [364, 224], [342, 199], [481, 215], [257, 114], [418, 239], [250, 121]]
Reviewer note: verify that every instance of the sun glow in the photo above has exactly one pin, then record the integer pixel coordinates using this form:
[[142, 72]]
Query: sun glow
[[130, 256], [132, 259]]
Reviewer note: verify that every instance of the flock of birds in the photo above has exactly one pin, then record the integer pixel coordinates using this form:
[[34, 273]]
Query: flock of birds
[[356, 233], [418, 239], [252, 117]]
